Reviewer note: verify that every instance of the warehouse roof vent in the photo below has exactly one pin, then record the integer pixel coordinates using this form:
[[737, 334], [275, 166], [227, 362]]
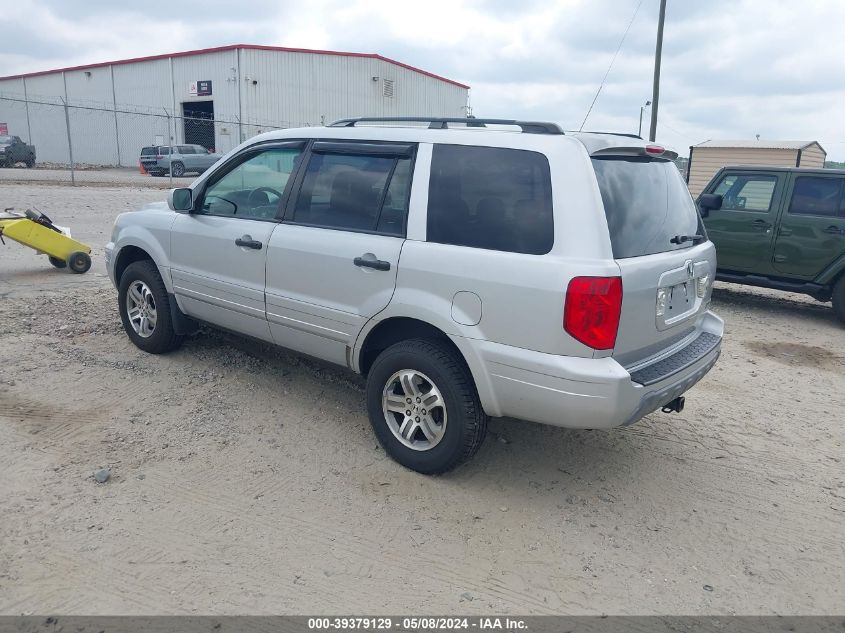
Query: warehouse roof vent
[[387, 88]]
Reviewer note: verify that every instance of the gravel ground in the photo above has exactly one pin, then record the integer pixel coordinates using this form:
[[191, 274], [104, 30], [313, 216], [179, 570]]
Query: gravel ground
[[243, 479]]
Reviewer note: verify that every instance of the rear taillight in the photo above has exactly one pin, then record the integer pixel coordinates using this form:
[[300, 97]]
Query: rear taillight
[[591, 313]]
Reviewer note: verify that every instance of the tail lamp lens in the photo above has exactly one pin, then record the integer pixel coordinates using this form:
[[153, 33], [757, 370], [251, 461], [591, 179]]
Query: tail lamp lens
[[591, 313]]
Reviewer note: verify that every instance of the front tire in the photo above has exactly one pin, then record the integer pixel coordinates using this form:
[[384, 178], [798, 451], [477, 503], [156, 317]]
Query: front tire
[[838, 299], [145, 309], [177, 170], [423, 406]]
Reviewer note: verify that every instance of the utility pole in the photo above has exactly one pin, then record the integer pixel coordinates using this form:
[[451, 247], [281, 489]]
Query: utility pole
[[657, 54]]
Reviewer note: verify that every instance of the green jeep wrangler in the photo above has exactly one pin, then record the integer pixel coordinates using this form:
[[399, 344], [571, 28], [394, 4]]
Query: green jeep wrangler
[[780, 228]]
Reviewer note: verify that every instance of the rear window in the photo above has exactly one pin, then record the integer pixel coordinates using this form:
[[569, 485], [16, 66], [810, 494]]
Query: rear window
[[148, 151], [489, 197], [646, 204]]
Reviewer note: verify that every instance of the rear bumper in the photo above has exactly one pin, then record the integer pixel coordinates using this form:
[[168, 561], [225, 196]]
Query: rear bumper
[[590, 392]]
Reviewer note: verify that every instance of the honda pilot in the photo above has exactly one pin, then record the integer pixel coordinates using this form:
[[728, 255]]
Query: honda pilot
[[468, 268]]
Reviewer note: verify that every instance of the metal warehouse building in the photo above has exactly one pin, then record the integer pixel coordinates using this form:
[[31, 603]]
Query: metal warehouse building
[[213, 97], [706, 158]]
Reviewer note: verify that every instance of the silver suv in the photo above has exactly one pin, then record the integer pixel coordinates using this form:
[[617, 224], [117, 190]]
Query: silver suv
[[468, 268], [157, 160]]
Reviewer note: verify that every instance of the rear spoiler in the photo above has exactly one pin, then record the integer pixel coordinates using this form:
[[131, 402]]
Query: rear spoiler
[[652, 151]]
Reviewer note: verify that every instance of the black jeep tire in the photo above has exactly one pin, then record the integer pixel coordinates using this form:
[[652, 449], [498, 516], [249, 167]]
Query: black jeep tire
[[163, 338], [177, 169], [465, 423], [30, 162], [58, 263], [838, 299]]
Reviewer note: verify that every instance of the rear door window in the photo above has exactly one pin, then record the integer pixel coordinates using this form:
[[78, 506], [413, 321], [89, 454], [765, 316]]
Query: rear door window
[[491, 198], [352, 192], [646, 203], [817, 196]]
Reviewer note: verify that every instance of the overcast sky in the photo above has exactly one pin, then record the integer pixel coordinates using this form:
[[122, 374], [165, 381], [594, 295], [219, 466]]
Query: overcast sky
[[731, 68]]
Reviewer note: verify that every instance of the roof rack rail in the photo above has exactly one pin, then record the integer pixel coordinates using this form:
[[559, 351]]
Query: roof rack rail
[[625, 134], [441, 123]]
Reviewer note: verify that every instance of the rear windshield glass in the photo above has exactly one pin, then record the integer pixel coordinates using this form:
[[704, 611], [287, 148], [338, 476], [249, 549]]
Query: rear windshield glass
[[148, 151], [647, 204]]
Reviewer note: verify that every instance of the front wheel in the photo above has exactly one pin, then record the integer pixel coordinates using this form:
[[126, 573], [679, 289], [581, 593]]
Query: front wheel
[[839, 299], [177, 170], [423, 406], [145, 309]]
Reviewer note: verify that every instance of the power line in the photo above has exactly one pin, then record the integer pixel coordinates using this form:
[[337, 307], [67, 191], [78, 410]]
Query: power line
[[618, 48]]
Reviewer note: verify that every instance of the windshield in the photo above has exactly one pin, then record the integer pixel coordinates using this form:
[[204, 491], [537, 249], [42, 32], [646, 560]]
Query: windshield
[[647, 204]]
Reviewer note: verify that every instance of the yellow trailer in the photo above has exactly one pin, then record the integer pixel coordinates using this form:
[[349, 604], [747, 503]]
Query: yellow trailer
[[37, 231]]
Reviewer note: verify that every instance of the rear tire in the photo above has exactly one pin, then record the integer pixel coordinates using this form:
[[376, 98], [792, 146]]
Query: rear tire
[[58, 263], [79, 262], [30, 163], [458, 425], [838, 299], [161, 337]]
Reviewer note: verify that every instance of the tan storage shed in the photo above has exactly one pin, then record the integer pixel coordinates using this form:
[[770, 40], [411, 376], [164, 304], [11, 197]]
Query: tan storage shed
[[706, 158]]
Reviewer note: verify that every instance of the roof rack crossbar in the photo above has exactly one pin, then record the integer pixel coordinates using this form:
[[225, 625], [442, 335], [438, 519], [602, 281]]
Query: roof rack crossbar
[[441, 123]]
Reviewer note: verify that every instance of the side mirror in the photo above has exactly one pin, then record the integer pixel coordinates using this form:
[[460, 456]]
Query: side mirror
[[181, 199], [708, 202]]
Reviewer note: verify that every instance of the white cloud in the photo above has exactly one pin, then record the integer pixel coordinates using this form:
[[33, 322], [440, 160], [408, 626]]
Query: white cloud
[[732, 69]]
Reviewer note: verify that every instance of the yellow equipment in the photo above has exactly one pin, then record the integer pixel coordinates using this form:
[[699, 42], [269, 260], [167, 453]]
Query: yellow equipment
[[37, 231]]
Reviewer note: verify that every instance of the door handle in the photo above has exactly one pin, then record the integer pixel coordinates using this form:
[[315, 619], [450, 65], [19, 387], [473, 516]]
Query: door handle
[[760, 225], [247, 242], [832, 229], [378, 264]]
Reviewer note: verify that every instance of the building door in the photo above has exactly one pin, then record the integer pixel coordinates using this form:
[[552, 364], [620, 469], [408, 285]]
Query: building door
[[198, 119]]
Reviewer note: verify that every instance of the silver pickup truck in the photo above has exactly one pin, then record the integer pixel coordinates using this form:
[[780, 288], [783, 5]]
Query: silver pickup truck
[[157, 160]]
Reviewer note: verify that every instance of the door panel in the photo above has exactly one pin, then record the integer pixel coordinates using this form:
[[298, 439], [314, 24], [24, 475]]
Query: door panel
[[331, 265], [318, 299], [812, 229], [743, 229], [218, 253], [216, 280]]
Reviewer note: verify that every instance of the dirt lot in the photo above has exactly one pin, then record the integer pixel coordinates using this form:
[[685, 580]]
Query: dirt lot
[[247, 480]]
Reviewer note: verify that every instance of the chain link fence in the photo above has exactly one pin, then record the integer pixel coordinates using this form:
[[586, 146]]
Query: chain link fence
[[76, 141]]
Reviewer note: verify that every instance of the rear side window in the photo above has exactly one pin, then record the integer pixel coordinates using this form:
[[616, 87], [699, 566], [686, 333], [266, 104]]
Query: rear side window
[[746, 192], [492, 198], [817, 196], [646, 204]]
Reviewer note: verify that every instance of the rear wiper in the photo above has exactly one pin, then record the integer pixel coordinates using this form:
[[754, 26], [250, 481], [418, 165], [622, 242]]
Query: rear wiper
[[680, 239]]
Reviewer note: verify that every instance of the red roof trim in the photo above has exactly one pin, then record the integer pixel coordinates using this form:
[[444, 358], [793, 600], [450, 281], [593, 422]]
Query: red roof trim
[[232, 47]]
